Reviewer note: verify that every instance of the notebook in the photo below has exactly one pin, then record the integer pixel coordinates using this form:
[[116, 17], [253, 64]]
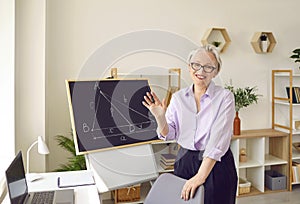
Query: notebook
[[18, 189]]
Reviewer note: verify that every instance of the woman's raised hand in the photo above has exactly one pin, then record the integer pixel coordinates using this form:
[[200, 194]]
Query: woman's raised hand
[[156, 107]]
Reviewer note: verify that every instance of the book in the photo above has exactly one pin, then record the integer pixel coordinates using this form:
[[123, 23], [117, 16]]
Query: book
[[294, 174], [295, 94], [298, 174], [296, 162], [295, 91], [296, 170], [168, 157], [166, 167], [167, 163]]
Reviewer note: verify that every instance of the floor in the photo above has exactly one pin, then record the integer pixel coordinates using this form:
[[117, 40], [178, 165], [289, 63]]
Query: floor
[[289, 197]]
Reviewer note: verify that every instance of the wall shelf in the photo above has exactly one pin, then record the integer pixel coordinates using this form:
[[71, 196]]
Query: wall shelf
[[256, 42], [217, 35]]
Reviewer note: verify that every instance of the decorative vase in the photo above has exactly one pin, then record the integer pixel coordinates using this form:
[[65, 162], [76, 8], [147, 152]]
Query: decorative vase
[[237, 124], [264, 45], [243, 158], [243, 155]]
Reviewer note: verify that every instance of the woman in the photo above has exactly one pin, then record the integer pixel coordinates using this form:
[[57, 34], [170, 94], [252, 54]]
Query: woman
[[200, 119]]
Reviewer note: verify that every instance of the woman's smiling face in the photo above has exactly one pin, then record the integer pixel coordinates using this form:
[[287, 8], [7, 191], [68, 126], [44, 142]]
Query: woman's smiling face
[[201, 64]]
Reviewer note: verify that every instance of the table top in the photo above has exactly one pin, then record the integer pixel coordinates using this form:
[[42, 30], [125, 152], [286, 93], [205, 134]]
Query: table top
[[48, 181]]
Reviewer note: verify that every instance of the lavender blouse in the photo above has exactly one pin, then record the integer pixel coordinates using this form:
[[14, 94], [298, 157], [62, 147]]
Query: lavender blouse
[[210, 129]]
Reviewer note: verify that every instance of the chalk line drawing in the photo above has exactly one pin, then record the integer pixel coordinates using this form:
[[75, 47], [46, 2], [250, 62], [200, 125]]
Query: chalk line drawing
[[129, 127], [121, 131]]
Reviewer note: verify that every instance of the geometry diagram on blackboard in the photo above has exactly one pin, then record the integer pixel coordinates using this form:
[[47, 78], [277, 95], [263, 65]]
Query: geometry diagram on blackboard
[[109, 114]]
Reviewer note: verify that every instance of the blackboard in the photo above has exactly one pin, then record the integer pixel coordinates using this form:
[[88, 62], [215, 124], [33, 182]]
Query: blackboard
[[109, 114]]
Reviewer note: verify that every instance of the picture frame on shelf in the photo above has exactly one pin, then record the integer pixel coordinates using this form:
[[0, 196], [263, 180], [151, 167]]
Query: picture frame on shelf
[[296, 124]]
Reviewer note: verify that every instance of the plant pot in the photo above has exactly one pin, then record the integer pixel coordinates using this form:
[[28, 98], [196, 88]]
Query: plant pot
[[237, 124]]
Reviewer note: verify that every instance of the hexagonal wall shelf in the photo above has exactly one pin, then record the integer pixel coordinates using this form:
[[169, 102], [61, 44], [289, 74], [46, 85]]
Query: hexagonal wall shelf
[[217, 35], [257, 43]]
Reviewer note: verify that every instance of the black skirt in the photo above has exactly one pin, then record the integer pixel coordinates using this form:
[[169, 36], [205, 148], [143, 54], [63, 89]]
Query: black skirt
[[221, 184]]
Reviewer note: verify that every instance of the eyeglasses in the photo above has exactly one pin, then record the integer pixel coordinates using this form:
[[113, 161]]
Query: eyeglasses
[[206, 68]]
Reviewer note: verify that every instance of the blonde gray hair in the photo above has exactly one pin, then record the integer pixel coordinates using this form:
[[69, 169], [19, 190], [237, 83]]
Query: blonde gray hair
[[207, 48]]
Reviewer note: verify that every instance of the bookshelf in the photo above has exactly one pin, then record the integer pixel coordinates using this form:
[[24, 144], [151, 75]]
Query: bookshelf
[[266, 150], [285, 112]]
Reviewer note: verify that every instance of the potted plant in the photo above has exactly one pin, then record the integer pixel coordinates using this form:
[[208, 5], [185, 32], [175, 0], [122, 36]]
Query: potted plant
[[75, 162], [243, 97], [296, 56], [217, 45], [264, 42]]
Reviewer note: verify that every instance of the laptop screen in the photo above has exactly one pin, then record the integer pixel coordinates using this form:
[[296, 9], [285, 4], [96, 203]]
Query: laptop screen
[[16, 181]]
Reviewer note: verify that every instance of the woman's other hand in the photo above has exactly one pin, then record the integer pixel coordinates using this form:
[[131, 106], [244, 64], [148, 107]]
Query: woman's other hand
[[156, 107], [190, 187]]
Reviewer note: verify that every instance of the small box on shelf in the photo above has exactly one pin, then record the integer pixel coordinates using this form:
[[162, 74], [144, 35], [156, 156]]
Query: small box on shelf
[[275, 180], [296, 124], [244, 186], [129, 194]]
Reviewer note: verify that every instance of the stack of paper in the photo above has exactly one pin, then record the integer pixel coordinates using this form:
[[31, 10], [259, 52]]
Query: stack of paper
[[167, 161]]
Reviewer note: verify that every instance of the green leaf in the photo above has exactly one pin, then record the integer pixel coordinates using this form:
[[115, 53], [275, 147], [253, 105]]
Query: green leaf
[[76, 162], [243, 96], [297, 51], [294, 56]]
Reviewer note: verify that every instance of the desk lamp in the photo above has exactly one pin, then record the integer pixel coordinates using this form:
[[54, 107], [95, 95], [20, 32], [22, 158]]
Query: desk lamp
[[42, 149]]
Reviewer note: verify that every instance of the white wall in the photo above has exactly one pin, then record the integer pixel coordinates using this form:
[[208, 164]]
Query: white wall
[[30, 78], [76, 29], [7, 74]]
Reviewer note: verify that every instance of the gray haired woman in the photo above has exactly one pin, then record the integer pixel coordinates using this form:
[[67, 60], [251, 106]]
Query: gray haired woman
[[200, 119]]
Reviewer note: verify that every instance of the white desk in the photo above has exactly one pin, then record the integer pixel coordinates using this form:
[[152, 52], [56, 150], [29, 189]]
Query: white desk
[[83, 194]]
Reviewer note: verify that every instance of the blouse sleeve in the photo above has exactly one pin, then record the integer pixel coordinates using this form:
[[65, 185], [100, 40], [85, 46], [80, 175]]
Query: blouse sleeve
[[221, 131]]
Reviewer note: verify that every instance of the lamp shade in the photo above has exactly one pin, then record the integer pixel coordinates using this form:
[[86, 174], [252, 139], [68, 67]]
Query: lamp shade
[[42, 147]]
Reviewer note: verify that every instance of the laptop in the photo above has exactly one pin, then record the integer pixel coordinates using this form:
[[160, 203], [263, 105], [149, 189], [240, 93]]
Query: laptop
[[18, 189]]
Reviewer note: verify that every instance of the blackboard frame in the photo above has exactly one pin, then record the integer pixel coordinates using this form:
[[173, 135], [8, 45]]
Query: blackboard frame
[[74, 87]]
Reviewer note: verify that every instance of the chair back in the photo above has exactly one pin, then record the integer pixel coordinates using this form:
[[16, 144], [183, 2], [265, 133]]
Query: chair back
[[167, 190]]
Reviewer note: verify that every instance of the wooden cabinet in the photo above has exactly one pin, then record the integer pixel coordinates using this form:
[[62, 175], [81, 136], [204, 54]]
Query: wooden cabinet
[[266, 149], [285, 112]]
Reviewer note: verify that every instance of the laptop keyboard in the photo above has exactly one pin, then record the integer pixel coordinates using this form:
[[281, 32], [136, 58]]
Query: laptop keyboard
[[43, 197]]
